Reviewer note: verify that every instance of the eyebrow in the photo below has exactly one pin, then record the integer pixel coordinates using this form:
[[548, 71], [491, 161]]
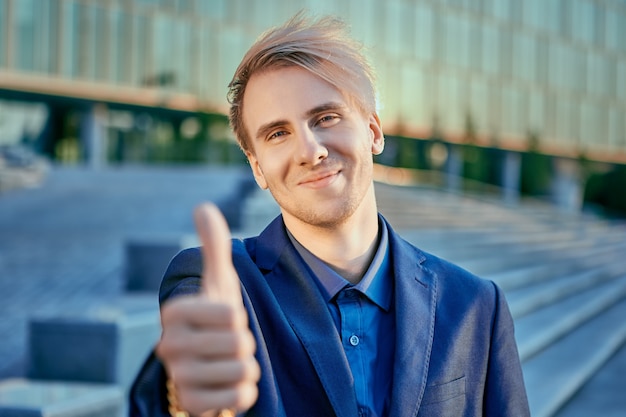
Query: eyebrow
[[322, 108], [330, 106]]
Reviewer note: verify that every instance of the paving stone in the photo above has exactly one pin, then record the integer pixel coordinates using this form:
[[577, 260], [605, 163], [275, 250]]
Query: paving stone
[[24, 398], [106, 345], [147, 257]]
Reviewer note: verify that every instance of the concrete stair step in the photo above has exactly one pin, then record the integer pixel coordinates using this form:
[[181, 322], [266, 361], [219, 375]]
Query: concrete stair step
[[525, 300], [603, 394], [528, 232], [570, 263], [557, 372], [500, 256], [509, 269], [538, 330]]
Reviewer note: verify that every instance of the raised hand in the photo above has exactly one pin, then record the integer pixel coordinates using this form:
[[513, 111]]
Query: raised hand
[[206, 346]]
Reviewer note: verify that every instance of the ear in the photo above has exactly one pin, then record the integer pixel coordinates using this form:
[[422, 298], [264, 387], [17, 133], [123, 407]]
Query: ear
[[376, 131], [256, 170]]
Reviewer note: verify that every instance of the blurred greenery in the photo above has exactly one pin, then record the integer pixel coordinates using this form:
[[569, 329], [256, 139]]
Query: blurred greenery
[[606, 191], [603, 185]]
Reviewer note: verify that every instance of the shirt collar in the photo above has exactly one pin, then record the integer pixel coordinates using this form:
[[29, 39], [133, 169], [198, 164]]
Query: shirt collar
[[376, 284]]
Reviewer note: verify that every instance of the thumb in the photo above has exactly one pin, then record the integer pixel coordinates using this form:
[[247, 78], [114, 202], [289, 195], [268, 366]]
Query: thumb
[[219, 280]]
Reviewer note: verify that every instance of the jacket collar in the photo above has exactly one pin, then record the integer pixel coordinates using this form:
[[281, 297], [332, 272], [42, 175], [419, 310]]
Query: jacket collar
[[307, 314], [415, 294]]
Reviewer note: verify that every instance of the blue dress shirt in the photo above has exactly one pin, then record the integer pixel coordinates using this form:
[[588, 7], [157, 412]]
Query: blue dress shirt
[[363, 315]]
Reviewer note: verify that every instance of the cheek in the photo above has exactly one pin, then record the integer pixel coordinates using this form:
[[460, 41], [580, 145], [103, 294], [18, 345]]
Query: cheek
[[274, 167]]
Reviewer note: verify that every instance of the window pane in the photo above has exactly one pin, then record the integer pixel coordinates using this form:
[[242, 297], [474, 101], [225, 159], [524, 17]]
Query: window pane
[[621, 80], [557, 67], [617, 130], [213, 8], [50, 40], [479, 106], [524, 57], [394, 33], [502, 9], [453, 100], [581, 26], [457, 41], [142, 48], [612, 29], [598, 74], [414, 107], [183, 42], [490, 50], [424, 18], [124, 48], [552, 15], [25, 35], [531, 13], [165, 51], [589, 122], [69, 61], [536, 112], [84, 17], [513, 111], [102, 33], [4, 26]]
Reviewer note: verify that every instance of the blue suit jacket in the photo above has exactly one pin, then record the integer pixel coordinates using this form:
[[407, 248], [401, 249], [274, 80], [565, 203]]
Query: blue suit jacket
[[455, 348]]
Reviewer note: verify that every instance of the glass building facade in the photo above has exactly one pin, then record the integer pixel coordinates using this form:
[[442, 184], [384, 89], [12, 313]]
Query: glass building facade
[[508, 69]]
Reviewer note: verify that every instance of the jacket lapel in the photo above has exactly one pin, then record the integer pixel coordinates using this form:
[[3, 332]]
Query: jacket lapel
[[415, 302], [308, 315]]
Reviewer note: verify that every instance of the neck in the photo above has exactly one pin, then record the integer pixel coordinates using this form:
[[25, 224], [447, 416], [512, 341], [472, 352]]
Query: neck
[[347, 247]]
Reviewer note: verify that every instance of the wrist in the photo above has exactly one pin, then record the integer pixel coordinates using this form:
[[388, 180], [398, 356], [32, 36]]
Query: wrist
[[176, 410]]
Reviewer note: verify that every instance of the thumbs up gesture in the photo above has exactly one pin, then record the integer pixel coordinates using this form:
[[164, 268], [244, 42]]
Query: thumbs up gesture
[[206, 346]]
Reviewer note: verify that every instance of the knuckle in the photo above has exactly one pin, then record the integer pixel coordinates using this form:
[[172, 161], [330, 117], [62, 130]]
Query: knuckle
[[244, 343], [230, 316], [246, 396], [169, 346], [254, 370]]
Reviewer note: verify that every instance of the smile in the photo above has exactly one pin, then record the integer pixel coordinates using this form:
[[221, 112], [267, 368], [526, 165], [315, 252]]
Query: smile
[[320, 181]]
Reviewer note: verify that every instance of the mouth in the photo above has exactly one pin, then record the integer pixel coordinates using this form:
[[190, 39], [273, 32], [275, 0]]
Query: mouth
[[320, 180]]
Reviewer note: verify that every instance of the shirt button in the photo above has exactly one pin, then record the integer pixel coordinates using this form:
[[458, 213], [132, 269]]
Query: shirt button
[[354, 340]]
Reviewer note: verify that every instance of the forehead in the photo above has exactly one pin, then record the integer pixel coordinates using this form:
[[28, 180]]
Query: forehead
[[284, 93]]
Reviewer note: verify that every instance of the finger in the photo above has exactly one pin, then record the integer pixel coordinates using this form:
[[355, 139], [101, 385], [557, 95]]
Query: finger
[[198, 313], [218, 374], [208, 345], [199, 400], [219, 279]]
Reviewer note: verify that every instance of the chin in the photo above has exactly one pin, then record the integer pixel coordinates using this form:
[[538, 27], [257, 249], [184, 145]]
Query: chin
[[327, 216]]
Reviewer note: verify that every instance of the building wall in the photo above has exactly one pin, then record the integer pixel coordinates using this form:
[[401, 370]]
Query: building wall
[[498, 71]]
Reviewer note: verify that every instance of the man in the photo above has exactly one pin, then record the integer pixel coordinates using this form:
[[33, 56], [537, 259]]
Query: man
[[328, 312]]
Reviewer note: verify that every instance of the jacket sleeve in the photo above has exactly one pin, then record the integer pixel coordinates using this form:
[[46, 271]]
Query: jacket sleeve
[[148, 396], [505, 392]]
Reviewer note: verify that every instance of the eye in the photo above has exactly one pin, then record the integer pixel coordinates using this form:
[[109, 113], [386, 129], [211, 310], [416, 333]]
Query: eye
[[327, 119], [276, 134]]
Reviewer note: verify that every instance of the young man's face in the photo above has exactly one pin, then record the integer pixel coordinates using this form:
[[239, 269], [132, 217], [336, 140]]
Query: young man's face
[[311, 147]]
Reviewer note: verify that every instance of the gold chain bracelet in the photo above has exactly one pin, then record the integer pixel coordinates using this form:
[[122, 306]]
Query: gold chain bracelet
[[174, 406]]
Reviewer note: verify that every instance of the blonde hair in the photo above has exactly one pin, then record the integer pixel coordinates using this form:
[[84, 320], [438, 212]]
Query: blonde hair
[[322, 47]]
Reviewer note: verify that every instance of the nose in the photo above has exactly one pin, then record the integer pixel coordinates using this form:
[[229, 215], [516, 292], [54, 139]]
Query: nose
[[310, 149]]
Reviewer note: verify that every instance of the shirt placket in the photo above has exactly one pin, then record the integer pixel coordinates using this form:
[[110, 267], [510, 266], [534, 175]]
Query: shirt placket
[[352, 338]]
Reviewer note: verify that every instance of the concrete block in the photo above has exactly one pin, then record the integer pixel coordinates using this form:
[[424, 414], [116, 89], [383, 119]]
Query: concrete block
[[147, 258], [104, 345], [24, 398]]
